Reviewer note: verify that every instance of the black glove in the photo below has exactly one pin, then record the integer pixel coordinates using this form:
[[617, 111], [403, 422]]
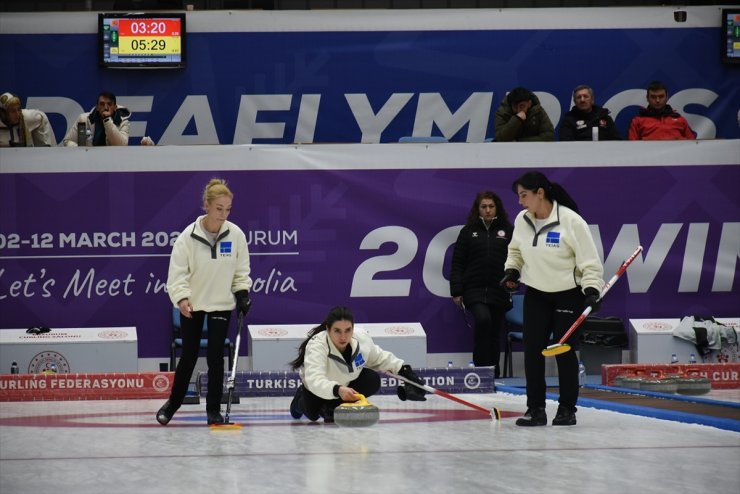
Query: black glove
[[510, 281], [592, 299], [409, 391], [243, 303]]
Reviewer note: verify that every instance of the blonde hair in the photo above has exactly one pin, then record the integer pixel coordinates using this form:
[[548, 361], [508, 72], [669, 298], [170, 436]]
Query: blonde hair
[[216, 188]]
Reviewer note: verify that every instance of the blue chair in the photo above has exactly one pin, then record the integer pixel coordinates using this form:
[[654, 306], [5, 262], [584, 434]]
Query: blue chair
[[514, 325], [423, 139], [177, 339]]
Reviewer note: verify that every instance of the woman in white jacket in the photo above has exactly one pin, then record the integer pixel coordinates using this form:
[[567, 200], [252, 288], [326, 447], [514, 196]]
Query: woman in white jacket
[[336, 364], [208, 276], [553, 253]]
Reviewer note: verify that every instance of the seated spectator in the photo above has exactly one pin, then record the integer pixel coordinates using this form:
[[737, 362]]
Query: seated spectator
[[21, 127], [659, 122], [520, 117], [579, 123], [106, 125]]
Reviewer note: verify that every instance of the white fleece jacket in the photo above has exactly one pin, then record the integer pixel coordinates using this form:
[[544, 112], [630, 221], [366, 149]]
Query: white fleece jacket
[[560, 256]]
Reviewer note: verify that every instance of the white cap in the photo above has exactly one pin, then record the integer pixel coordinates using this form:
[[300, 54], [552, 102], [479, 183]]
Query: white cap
[[7, 99]]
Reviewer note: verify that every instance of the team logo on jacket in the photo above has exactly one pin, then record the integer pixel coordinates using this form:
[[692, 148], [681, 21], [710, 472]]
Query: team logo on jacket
[[552, 239], [224, 249], [359, 360], [501, 233]]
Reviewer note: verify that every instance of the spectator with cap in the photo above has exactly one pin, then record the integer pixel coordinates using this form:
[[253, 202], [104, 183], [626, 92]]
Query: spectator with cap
[[520, 117], [587, 121], [21, 127], [659, 122], [106, 125]]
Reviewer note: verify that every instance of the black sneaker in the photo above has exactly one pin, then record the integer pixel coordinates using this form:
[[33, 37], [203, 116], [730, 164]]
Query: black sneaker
[[296, 410], [535, 416], [566, 416], [214, 417], [164, 415]]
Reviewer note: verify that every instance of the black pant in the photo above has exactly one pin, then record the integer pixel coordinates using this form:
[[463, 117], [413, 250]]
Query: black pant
[[367, 383], [489, 319], [546, 313], [218, 324]]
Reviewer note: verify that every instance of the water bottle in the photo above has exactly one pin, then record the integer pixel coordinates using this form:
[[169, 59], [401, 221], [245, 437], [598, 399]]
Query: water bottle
[[692, 359], [449, 364], [14, 368], [88, 137], [471, 364], [81, 134], [581, 374], [595, 133], [674, 358]]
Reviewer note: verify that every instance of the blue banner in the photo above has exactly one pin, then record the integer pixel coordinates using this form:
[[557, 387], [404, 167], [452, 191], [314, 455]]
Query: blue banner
[[374, 86]]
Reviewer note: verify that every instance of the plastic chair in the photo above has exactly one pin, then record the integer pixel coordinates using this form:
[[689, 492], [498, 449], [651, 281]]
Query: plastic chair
[[177, 339], [423, 139], [515, 324]]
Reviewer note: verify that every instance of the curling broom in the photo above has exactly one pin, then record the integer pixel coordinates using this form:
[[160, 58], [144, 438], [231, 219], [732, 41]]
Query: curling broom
[[561, 346]]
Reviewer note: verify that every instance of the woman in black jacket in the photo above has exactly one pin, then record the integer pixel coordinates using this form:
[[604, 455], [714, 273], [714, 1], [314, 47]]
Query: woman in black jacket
[[477, 267]]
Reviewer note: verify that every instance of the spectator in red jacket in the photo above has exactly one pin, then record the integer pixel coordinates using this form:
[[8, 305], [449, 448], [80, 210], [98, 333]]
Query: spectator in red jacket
[[659, 122]]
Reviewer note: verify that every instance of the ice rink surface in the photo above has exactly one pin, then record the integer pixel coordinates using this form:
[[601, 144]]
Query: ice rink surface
[[437, 446]]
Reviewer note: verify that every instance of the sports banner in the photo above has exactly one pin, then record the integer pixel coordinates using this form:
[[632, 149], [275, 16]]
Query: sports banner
[[370, 77], [85, 235]]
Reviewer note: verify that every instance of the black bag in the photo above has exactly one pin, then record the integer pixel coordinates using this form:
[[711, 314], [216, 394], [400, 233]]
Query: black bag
[[606, 332]]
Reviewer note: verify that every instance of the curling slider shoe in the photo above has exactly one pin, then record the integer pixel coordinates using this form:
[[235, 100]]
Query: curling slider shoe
[[360, 413]]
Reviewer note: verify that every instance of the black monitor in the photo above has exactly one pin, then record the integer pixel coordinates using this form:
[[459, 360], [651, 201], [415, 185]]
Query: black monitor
[[136, 41], [731, 35]]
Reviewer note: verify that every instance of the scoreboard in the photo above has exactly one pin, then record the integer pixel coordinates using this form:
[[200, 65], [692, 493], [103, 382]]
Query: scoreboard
[[141, 40]]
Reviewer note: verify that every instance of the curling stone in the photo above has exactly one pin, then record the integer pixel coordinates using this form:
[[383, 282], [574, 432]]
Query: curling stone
[[693, 385], [360, 413], [659, 385], [629, 382]]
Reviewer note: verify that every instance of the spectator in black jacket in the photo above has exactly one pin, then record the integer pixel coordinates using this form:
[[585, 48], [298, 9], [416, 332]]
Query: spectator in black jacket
[[579, 123], [477, 266]]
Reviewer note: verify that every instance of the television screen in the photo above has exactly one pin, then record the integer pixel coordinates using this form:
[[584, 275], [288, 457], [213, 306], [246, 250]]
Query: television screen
[[731, 35], [153, 40]]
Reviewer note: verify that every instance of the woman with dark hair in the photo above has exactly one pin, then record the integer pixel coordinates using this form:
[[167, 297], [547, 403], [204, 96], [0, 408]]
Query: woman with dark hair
[[336, 364], [477, 267], [553, 253]]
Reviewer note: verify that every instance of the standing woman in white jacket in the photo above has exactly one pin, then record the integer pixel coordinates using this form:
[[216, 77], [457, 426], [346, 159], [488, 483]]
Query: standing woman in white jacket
[[208, 276], [553, 253], [336, 364]]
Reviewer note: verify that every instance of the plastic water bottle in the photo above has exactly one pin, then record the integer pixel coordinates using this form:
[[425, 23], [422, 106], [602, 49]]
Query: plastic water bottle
[[81, 134], [14, 368], [449, 364], [471, 364], [581, 374], [692, 359], [88, 137], [674, 358]]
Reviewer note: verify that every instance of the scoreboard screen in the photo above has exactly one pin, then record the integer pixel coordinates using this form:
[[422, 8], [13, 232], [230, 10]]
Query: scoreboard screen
[[141, 40], [731, 35]]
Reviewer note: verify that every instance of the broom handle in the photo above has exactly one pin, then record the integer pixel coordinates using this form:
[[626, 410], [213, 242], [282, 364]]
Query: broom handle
[[441, 393], [606, 288]]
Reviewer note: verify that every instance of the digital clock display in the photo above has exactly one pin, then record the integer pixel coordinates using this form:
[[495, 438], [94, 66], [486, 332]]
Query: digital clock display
[[142, 40]]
